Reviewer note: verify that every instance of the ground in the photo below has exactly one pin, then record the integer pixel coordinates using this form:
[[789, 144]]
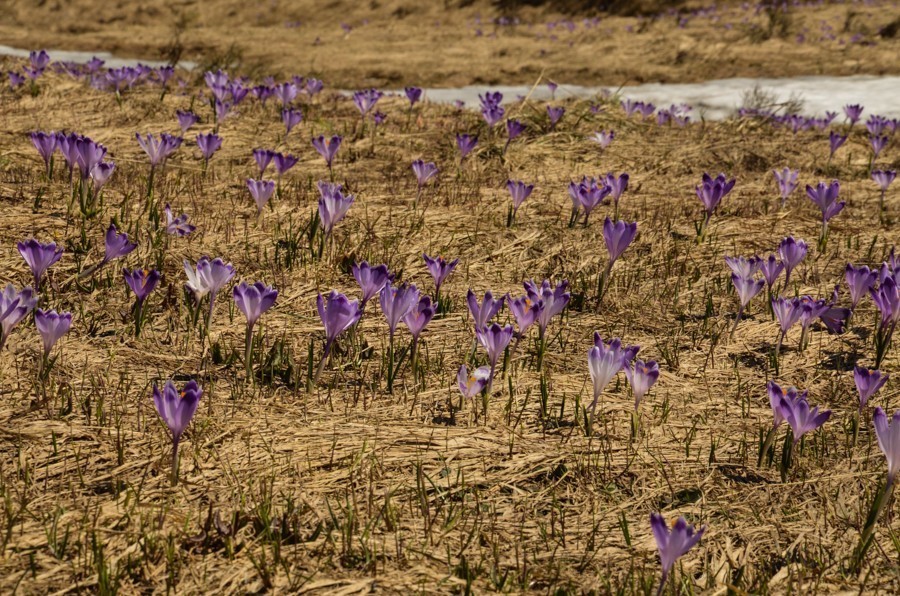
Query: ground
[[346, 488]]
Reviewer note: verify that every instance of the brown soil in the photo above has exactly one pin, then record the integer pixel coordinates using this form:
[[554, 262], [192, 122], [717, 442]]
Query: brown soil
[[348, 489]]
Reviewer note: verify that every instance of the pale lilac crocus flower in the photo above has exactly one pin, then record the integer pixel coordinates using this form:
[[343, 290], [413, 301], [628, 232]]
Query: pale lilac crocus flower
[[338, 313], [868, 382], [253, 300], [370, 279], [14, 306], [787, 182], [519, 192], [860, 281], [791, 252], [641, 376], [51, 326], [487, 310], [883, 179], [672, 544], [39, 257], [261, 191], [176, 408]]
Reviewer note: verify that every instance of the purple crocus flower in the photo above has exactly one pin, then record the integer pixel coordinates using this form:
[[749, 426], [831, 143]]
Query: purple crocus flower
[[14, 306], [711, 192], [487, 310], [883, 178], [291, 118], [418, 317], [603, 138], [222, 110], [555, 113], [263, 157], [283, 163], [853, 113], [253, 300], [186, 120], [440, 269], [791, 252], [366, 99], [618, 236], [471, 385], [333, 205], [787, 182], [860, 281], [176, 408], [887, 299], [158, 150], [338, 313], [810, 310], [45, 143], [605, 360], [494, 339], [101, 173], [801, 418], [514, 128], [771, 269], [641, 376], [424, 171], [15, 80], [554, 301], [327, 149], [617, 187], [835, 317], [519, 191], [261, 191], [177, 226], [589, 195], [210, 277], [835, 141], [116, 245], [672, 545], [39, 59], [776, 395], [314, 87], [413, 94], [746, 289], [208, 144], [39, 257], [825, 197], [876, 124], [87, 154], [141, 281], [878, 144], [285, 92], [370, 280], [492, 114], [396, 301], [743, 267], [787, 312], [52, 326], [526, 312], [465, 143], [868, 382], [888, 435]]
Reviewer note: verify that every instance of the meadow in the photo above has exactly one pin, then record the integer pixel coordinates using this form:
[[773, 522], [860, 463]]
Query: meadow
[[640, 359]]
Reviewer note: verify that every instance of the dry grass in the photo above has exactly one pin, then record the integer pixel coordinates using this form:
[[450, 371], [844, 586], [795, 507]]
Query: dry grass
[[347, 489], [406, 42]]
